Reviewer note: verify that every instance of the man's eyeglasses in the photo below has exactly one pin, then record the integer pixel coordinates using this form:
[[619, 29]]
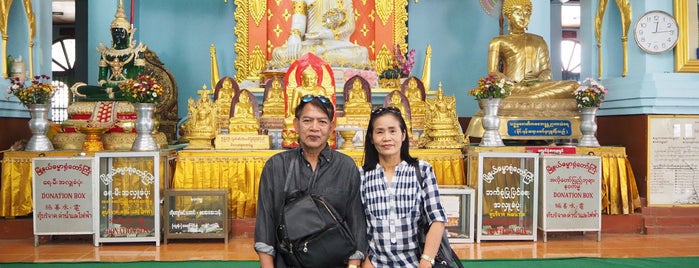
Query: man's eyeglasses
[[321, 98], [386, 109]]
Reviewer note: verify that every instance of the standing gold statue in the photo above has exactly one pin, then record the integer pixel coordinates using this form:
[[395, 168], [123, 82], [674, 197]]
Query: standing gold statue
[[524, 57]]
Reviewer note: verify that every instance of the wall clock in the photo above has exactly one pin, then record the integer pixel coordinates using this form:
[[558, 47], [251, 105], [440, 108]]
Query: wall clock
[[656, 32]]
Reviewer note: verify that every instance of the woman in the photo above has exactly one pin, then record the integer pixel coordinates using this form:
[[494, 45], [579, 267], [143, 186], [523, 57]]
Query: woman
[[394, 200]]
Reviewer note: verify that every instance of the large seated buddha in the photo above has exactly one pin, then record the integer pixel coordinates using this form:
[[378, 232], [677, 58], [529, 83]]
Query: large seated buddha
[[536, 98], [322, 27]]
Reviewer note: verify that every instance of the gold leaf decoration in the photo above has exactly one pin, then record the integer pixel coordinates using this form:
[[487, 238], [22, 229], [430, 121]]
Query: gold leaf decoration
[[384, 9], [258, 62], [257, 10], [241, 44], [400, 25], [383, 59]]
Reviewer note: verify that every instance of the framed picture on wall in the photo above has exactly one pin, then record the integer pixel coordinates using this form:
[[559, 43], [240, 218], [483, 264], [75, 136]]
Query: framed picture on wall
[[687, 50]]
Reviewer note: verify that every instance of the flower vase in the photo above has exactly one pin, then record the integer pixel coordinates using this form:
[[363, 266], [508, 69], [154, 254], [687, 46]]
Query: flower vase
[[588, 127], [39, 125], [491, 123], [144, 128]]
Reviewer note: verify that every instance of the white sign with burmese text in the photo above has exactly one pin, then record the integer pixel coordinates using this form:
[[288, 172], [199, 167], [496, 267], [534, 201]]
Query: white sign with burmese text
[[62, 195]]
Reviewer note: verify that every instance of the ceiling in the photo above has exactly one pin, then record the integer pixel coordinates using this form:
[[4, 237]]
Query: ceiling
[[63, 11]]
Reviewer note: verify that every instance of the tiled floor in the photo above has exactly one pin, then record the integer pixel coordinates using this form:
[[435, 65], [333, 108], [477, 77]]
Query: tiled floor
[[71, 249]]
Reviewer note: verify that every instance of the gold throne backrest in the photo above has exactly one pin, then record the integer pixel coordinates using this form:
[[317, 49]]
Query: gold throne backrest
[[166, 110], [263, 25]]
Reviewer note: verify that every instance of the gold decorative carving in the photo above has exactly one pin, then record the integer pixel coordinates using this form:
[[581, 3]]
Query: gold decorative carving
[[257, 10], [400, 25], [4, 19], [258, 62], [383, 59], [241, 45], [31, 21], [384, 10]]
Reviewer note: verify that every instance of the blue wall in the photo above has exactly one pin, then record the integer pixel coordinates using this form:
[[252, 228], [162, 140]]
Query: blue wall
[[18, 44]]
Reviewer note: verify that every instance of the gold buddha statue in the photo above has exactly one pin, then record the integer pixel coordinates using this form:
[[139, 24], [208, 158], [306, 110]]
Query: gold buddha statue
[[224, 96], [243, 119], [309, 75], [356, 100], [200, 128], [442, 129], [273, 105], [523, 58], [322, 27], [397, 101], [414, 92], [309, 86]]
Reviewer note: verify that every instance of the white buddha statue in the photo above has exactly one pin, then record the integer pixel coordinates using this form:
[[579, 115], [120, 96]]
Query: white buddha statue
[[322, 27]]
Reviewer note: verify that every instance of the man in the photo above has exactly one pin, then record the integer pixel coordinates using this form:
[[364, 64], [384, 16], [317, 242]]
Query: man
[[317, 168]]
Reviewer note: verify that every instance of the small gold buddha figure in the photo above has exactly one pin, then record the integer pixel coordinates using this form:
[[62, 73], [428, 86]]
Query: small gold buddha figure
[[200, 129], [273, 105], [243, 119], [442, 129], [414, 90], [399, 101], [356, 103], [226, 88]]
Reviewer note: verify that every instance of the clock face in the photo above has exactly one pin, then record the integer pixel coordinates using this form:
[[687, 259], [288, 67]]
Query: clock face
[[656, 32]]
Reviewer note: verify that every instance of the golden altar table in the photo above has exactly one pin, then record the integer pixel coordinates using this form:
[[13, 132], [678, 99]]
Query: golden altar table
[[16, 180], [239, 172], [619, 192]]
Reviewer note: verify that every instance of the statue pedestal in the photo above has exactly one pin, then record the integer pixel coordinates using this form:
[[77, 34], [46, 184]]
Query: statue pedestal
[[242, 141], [199, 143], [530, 119]]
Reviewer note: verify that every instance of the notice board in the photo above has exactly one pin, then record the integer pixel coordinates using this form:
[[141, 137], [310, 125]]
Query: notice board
[[673, 160], [570, 191], [196, 213], [127, 197], [507, 196], [62, 195]]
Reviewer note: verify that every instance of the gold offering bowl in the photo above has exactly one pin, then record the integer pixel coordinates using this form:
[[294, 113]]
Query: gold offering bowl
[[347, 135], [93, 138]]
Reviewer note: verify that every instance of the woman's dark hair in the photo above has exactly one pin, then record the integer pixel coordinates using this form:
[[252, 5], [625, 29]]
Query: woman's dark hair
[[371, 155]]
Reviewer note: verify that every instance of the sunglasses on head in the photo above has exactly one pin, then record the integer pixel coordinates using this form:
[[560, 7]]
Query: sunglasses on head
[[321, 98], [386, 109]]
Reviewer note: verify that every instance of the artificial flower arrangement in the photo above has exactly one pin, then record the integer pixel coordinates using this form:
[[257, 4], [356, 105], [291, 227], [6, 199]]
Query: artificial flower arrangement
[[590, 93], [491, 87], [39, 91], [143, 89], [401, 64]]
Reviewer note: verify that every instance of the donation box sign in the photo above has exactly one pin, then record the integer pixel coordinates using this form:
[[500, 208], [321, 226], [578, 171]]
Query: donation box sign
[[127, 197], [507, 196], [62, 195], [570, 189]]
